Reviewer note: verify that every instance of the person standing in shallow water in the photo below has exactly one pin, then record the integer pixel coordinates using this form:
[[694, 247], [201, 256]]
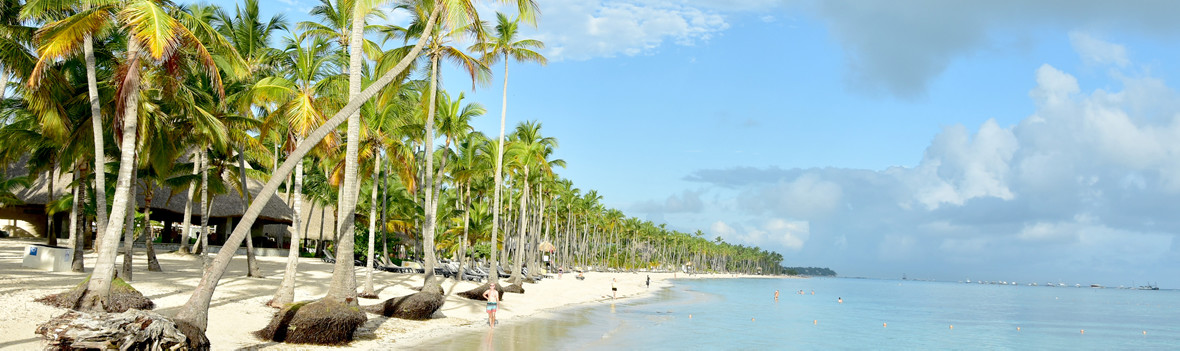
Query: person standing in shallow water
[[493, 298]]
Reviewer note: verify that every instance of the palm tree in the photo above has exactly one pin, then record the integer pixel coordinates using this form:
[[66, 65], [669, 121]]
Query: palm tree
[[535, 151], [503, 44], [195, 312], [152, 35]]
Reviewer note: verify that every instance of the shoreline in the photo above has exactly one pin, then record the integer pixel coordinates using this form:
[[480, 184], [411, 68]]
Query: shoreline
[[238, 306]]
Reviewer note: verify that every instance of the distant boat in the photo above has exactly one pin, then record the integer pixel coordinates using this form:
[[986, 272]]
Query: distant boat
[[1096, 286], [1149, 287]]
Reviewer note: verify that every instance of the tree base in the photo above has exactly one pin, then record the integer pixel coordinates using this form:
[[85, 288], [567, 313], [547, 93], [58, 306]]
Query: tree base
[[130, 330], [514, 288], [123, 298], [322, 322], [367, 296], [416, 306], [477, 293]]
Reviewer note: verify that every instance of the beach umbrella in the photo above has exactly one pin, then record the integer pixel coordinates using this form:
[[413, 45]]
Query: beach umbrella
[[546, 246]]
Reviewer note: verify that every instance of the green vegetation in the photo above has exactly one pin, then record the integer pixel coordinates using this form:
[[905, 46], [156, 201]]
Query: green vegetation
[[811, 271]]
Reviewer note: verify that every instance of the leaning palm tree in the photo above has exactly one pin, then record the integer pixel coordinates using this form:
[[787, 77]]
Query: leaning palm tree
[[504, 45]]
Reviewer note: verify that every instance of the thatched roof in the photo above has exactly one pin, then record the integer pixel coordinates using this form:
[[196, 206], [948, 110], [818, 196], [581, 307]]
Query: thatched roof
[[163, 199], [311, 223]]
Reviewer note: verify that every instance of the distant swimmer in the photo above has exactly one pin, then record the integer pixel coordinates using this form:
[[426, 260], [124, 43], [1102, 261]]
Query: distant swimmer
[[840, 300], [813, 292], [776, 296]]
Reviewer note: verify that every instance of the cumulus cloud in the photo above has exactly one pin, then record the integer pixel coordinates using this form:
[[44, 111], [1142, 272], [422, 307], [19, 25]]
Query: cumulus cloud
[[585, 29], [1086, 183]]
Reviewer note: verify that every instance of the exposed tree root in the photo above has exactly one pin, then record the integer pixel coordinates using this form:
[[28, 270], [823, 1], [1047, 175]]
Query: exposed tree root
[[416, 306], [123, 298], [323, 322]]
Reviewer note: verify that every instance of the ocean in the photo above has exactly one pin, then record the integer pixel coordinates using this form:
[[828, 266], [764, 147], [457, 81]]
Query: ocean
[[741, 314]]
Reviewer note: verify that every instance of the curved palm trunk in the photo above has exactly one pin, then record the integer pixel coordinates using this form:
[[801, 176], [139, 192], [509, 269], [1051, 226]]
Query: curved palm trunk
[[100, 183], [428, 226], [100, 281], [286, 292], [372, 227], [196, 310]]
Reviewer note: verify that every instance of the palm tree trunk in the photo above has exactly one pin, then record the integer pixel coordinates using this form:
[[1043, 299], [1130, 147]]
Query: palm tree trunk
[[77, 236], [372, 226], [205, 208], [188, 209], [428, 225], [51, 229], [153, 263], [196, 310], [100, 281], [129, 230], [518, 263], [251, 264], [286, 292], [466, 219], [384, 234], [100, 186]]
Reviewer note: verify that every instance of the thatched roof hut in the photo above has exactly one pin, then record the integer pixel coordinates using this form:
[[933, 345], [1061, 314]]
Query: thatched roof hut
[[167, 203]]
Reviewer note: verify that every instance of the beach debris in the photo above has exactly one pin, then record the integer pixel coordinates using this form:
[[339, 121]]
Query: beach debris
[[129, 330], [417, 306], [325, 321]]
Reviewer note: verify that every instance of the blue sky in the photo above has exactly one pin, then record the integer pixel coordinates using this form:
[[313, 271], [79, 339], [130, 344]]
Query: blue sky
[[985, 140]]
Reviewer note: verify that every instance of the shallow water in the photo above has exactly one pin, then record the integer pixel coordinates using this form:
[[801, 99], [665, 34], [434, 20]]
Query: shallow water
[[876, 314]]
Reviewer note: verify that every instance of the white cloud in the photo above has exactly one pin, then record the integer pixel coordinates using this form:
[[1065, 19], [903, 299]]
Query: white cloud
[[585, 29], [1088, 183], [1096, 51], [776, 232]]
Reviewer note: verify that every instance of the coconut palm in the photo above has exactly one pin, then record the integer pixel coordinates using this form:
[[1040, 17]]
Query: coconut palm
[[535, 151], [503, 44], [154, 36]]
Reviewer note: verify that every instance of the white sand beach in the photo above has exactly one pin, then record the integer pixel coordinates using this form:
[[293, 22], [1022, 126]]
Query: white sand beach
[[238, 305]]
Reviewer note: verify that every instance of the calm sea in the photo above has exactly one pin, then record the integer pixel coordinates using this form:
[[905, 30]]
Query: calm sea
[[741, 314]]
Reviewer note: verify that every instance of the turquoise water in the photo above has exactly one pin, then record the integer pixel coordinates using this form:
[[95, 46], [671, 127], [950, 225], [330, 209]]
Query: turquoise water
[[735, 314]]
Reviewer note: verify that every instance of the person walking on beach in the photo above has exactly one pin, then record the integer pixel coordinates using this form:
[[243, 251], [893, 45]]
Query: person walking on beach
[[493, 298], [614, 289], [560, 270], [649, 281]]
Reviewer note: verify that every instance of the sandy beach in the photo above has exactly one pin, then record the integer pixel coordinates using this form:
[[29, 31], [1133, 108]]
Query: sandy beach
[[238, 305]]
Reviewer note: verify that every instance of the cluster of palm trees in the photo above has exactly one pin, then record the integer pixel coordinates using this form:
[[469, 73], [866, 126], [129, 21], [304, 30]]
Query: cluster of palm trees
[[196, 97]]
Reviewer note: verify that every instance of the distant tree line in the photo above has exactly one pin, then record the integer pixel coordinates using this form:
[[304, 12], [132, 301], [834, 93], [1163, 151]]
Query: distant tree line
[[811, 271]]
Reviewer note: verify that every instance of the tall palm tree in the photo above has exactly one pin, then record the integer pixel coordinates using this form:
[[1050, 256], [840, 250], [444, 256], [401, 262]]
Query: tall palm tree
[[195, 311], [504, 45], [535, 151], [153, 35]]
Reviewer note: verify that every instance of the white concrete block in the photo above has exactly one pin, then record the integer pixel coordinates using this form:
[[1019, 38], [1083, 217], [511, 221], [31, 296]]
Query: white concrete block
[[56, 259]]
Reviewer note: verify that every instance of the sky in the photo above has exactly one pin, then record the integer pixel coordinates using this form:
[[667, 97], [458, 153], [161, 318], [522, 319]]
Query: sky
[[1028, 141]]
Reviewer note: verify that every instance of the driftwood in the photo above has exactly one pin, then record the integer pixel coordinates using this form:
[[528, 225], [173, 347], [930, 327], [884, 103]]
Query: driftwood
[[130, 330]]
